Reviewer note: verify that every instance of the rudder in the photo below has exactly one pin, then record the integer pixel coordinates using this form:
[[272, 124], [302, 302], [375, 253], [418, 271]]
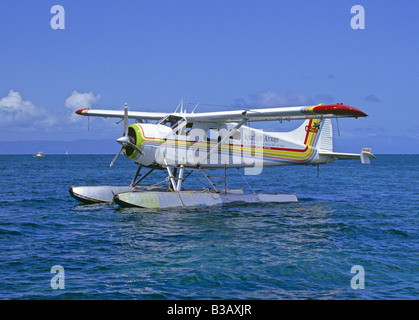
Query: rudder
[[317, 133]]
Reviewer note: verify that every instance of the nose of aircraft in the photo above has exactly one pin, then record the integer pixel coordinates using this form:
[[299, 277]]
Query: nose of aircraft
[[123, 141]]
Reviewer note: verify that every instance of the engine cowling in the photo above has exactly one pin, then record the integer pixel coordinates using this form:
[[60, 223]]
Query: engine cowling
[[148, 137]]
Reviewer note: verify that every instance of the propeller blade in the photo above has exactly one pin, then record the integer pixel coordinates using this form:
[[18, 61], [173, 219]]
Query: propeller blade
[[116, 157], [124, 141], [125, 120]]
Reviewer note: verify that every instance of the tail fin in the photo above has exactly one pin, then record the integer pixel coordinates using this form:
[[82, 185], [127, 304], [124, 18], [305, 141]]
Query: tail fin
[[315, 133]]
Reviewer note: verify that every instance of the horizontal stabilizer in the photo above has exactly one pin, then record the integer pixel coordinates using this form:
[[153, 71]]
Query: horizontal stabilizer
[[365, 156]]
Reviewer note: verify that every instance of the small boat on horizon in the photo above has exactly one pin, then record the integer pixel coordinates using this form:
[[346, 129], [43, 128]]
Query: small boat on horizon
[[39, 155]]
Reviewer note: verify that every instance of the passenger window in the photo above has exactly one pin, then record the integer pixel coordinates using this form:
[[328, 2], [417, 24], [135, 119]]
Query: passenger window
[[213, 135], [188, 128], [236, 136]]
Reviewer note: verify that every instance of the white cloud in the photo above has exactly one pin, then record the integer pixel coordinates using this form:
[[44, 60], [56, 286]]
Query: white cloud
[[18, 116], [17, 113], [80, 101], [13, 109]]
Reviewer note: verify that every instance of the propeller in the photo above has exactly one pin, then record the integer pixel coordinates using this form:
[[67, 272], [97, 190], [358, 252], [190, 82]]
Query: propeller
[[125, 140]]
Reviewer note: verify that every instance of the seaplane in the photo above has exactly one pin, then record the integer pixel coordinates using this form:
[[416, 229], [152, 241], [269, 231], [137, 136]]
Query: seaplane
[[181, 143]]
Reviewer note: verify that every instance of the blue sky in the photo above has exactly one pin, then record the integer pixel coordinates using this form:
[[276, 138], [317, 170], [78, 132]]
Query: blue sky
[[152, 54]]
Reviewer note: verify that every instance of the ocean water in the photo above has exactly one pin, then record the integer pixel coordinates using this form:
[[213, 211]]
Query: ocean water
[[350, 215]]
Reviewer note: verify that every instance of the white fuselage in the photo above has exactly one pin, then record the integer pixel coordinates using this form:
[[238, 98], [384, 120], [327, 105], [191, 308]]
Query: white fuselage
[[215, 145]]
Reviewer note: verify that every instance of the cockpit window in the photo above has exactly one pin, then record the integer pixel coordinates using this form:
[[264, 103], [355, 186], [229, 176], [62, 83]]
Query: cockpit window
[[171, 121]]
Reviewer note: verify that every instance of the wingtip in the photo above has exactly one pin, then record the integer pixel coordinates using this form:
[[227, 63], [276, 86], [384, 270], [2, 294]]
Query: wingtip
[[339, 109], [81, 111]]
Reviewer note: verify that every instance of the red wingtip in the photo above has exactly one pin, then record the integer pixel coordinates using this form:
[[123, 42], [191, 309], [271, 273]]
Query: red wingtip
[[80, 111], [339, 109]]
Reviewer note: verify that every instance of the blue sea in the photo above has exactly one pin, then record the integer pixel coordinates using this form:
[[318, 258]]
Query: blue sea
[[348, 215]]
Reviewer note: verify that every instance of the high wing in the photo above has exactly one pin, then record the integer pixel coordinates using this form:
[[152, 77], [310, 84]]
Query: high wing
[[271, 114], [139, 115], [266, 114]]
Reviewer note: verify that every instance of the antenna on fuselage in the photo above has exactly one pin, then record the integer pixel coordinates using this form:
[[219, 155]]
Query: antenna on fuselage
[[179, 105], [193, 110]]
